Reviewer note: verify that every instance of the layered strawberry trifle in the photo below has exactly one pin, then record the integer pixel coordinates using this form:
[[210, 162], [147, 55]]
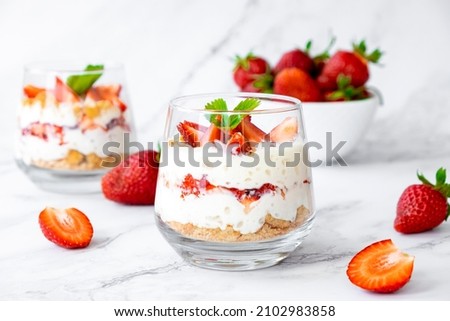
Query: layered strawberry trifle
[[229, 180], [66, 124]]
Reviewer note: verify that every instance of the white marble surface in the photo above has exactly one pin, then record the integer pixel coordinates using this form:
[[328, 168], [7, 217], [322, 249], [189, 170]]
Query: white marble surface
[[178, 47]]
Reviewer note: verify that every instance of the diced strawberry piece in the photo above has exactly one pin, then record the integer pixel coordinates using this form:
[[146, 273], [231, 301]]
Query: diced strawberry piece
[[196, 126], [64, 93], [32, 91], [69, 228], [212, 134], [251, 132], [237, 141], [107, 92], [190, 134], [381, 267], [285, 131], [190, 186], [39, 130], [121, 104], [104, 92]]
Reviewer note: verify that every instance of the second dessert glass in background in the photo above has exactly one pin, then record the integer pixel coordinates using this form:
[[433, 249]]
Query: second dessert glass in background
[[234, 190], [72, 123]]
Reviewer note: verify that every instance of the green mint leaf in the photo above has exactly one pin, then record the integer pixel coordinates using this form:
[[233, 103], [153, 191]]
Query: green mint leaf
[[82, 83], [248, 104], [217, 119]]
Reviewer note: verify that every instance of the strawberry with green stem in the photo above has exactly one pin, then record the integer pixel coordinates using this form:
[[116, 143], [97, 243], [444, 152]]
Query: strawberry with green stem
[[423, 207], [352, 64], [252, 70], [346, 91], [296, 83]]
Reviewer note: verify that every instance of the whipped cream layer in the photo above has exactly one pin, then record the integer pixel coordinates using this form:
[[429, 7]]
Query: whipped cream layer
[[63, 114], [218, 207], [29, 148], [69, 117]]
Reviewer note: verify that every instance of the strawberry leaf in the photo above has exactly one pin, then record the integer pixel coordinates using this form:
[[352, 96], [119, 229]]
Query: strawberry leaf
[[423, 179], [248, 104], [82, 83], [361, 49], [308, 46], [217, 119], [441, 176], [224, 121]]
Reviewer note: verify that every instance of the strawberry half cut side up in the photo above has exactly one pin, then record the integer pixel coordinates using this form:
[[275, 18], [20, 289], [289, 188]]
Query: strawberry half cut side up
[[422, 207], [68, 228], [381, 267]]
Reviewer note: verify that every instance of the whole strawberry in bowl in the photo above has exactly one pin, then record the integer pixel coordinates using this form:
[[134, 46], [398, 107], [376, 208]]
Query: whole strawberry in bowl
[[337, 103]]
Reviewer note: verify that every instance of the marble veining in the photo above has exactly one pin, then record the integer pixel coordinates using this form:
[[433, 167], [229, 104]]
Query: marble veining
[[172, 48]]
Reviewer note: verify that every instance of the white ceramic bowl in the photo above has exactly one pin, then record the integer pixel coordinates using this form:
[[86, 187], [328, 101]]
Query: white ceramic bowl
[[347, 121]]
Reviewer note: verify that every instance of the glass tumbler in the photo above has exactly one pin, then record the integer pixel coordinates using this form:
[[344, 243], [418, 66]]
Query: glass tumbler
[[234, 191], [72, 124]]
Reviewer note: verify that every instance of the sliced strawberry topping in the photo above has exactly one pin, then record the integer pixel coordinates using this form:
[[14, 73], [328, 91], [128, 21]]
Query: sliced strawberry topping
[[32, 91], [236, 142], [189, 133], [212, 134], [107, 92], [381, 267], [251, 132], [69, 228], [64, 93], [196, 126], [285, 131]]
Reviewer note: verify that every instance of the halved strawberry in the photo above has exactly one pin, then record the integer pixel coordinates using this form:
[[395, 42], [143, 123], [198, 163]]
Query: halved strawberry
[[69, 228], [189, 133], [32, 91], [285, 131], [64, 93], [251, 132], [212, 134], [380, 267]]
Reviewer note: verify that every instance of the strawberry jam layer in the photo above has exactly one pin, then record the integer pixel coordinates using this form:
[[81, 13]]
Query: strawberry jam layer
[[192, 186]]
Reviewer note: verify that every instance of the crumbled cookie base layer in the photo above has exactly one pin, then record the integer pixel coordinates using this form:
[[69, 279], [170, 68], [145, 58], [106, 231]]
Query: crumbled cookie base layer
[[272, 227], [75, 160]]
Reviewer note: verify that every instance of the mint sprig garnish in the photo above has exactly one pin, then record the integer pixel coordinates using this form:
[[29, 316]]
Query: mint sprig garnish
[[224, 121], [82, 83]]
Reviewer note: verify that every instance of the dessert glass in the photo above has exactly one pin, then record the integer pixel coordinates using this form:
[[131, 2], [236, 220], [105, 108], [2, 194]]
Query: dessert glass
[[234, 191], [72, 124]]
